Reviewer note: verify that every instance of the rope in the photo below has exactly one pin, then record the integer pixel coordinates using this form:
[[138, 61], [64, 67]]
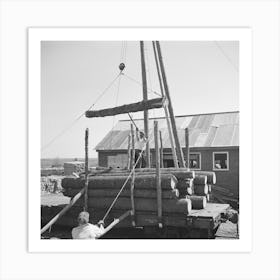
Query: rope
[[139, 83], [116, 103], [149, 75], [80, 116], [124, 184], [226, 56]]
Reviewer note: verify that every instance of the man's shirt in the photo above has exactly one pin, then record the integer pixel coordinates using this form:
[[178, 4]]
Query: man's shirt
[[86, 231]]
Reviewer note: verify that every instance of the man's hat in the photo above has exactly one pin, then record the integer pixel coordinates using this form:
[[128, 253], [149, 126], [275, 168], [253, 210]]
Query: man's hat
[[84, 216]]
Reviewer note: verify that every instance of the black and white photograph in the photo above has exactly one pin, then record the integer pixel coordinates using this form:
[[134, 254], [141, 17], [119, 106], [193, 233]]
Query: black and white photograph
[[140, 139]]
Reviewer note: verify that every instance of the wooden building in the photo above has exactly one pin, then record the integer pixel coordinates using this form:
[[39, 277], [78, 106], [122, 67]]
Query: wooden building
[[213, 145]]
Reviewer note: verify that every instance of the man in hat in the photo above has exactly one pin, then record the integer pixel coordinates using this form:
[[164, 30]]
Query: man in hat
[[85, 230]]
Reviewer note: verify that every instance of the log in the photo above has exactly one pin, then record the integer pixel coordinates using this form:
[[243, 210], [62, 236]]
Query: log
[[209, 188], [185, 187], [189, 191], [200, 180], [182, 206], [200, 189], [140, 193], [198, 202], [185, 183], [207, 197], [211, 176], [145, 170], [180, 175], [168, 182], [127, 108]]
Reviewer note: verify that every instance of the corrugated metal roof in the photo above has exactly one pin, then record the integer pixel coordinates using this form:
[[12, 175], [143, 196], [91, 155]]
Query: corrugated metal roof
[[205, 130]]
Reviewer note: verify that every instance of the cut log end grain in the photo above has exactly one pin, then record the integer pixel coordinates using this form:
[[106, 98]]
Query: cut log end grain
[[200, 189], [198, 202]]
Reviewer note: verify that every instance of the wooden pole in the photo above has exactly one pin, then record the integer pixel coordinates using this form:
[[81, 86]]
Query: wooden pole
[[132, 198], [132, 162], [158, 179], [86, 171], [63, 211], [115, 222], [171, 137], [161, 150], [170, 108], [129, 151], [145, 98], [133, 173], [187, 153]]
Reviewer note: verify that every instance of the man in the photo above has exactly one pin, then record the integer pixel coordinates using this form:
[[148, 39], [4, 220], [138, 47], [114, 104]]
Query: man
[[85, 230]]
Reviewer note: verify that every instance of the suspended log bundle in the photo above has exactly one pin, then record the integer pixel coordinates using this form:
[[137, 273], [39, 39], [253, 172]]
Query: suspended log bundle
[[128, 108]]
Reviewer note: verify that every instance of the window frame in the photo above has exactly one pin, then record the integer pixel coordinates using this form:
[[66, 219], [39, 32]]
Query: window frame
[[222, 169], [196, 153]]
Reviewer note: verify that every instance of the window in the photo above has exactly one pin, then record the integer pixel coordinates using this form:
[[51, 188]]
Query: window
[[220, 161], [195, 159]]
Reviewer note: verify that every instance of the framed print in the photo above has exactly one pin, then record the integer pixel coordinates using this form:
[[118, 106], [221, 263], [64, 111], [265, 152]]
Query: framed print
[[213, 132]]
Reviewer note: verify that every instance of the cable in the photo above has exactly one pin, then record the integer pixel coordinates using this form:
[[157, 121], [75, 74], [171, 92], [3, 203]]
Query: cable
[[106, 89], [80, 116], [139, 83], [226, 56], [116, 103]]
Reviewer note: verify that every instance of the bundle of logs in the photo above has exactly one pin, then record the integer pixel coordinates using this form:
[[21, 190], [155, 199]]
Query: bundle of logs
[[181, 191], [198, 188]]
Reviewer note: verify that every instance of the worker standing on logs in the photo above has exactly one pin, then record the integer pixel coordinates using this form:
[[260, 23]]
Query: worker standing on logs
[[86, 230]]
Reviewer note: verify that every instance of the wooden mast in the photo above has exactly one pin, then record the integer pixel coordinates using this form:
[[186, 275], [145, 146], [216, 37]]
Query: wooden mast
[[86, 172], [170, 108], [171, 138], [145, 98]]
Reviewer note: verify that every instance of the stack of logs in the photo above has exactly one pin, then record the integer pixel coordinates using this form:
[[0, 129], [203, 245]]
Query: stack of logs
[[197, 189], [182, 191]]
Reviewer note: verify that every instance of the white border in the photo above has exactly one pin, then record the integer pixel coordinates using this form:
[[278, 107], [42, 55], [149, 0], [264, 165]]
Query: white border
[[36, 35], [213, 161]]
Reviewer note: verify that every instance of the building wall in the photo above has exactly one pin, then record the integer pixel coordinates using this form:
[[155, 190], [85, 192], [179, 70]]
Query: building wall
[[225, 178], [103, 156]]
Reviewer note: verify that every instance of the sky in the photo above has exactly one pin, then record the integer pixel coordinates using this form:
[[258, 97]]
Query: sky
[[202, 76]]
